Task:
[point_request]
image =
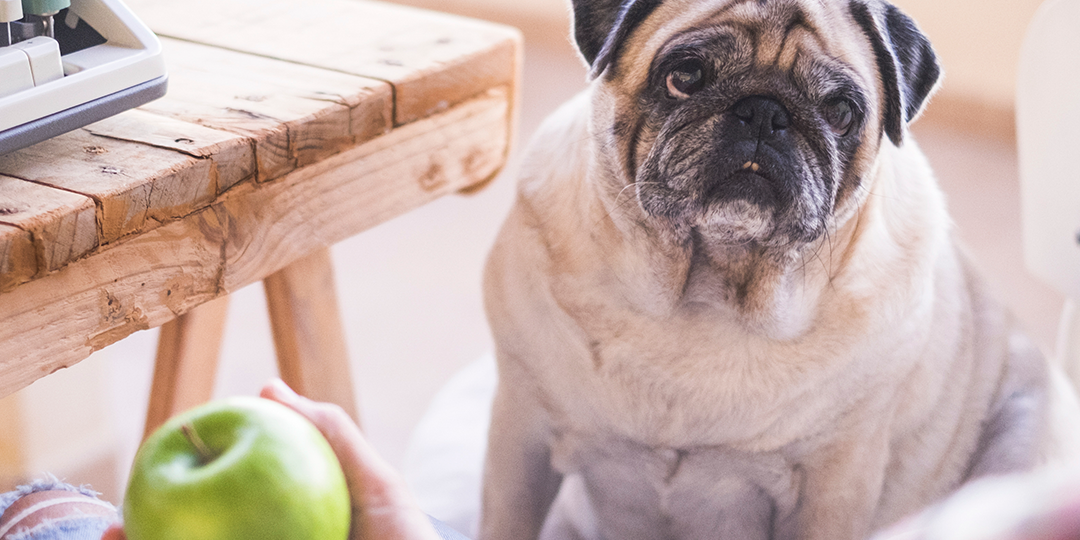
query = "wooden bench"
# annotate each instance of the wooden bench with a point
(288, 126)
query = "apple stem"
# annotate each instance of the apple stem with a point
(205, 456)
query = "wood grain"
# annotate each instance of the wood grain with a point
(18, 261)
(55, 321)
(232, 156)
(135, 186)
(150, 166)
(363, 187)
(433, 60)
(294, 115)
(308, 336)
(251, 231)
(62, 224)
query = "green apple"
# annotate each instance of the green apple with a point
(237, 469)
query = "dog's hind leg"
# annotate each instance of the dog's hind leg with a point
(1016, 432)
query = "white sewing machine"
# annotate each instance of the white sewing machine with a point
(67, 63)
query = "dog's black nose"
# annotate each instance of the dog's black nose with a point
(764, 116)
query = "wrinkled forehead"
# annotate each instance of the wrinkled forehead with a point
(779, 29)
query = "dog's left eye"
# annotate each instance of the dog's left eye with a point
(840, 114)
(686, 78)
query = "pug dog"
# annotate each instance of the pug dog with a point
(727, 302)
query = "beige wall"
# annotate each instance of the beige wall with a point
(978, 42)
(60, 425)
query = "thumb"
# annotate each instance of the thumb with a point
(114, 532)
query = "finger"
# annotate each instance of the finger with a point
(342, 433)
(382, 505)
(114, 532)
(374, 479)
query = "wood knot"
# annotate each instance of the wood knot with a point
(473, 161)
(112, 309)
(433, 178)
(111, 170)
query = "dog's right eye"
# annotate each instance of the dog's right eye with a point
(686, 78)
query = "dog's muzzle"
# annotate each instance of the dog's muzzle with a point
(755, 157)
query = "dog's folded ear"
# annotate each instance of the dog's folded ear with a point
(601, 26)
(907, 64)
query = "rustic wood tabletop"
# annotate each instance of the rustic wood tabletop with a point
(287, 127)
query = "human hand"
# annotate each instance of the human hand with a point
(382, 506)
(114, 532)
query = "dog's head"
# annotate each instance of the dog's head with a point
(751, 121)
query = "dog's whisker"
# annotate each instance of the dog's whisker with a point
(617, 204)
(829, 267)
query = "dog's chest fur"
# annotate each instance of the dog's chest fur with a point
(694, 378)
(663, 493)
(665, 417)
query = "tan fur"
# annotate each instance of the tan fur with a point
(841, 386)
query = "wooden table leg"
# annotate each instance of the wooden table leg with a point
(187, 360)
(12, 458)
(308, 333)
